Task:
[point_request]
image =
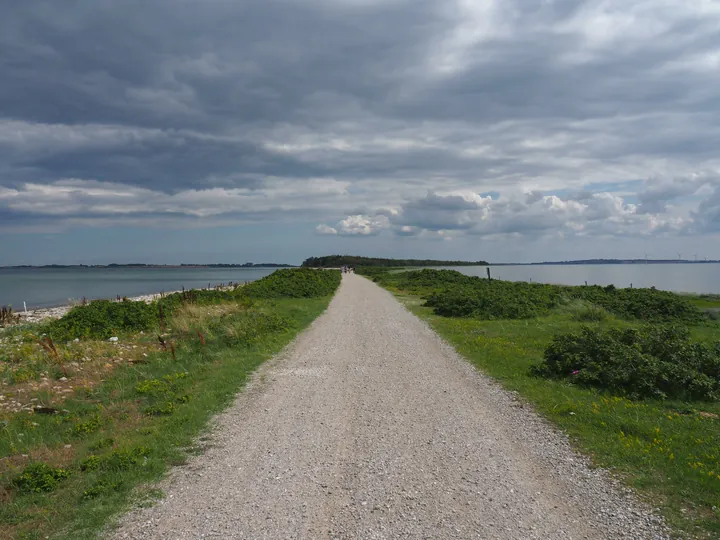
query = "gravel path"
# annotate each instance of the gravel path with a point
(370, 426)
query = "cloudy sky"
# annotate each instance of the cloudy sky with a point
(272, 130)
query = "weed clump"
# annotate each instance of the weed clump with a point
(39, 478)
(101, 488)
(652, 362)
(103, 443)
(117, 460)
(89, 426)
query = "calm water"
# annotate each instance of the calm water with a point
(694, 278)
(48, 287)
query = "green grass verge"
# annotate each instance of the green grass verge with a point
(114, 440)
(668, 451)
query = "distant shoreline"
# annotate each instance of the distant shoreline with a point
(149, 266)
(272, 265)
(607, 262)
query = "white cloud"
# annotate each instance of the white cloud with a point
(325, 229)
(529, 214)
(360, 225)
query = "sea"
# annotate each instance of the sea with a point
(700, 278)
(49, 287)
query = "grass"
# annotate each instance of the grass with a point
(669, 451)
(112, 435)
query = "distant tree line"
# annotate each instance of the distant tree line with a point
(333, 261)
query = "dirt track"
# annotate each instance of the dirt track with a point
(369, 426)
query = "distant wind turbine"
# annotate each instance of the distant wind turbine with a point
(679, 256)
(695, 257)
(646, 260)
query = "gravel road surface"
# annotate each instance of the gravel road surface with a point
(370, 426)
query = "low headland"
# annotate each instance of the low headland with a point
(336, 261)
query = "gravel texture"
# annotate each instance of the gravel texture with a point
(370, 426)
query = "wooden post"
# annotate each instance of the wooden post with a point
(488, 273)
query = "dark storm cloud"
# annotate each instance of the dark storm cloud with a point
(363, 106)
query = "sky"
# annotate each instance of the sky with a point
(168, 131)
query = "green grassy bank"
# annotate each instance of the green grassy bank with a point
(667, 448)
(89, 425)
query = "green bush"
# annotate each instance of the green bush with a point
(294, 283)
(453, 294)
(39, 477)
(656, 361)
(103, 319)
(464, 296)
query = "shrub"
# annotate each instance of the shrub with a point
(39, 478)
(643, 304)
(294, 283)
(454, 294)
(103, 319)
(656, 361)
(483, 299)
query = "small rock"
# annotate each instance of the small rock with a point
(113, 339)
(62, 379)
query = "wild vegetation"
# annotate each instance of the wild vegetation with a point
(454, 294)
(299, 283)
(7, 316)
(650, 362)
(336, 261)
(87, 423)
(102, 319)
(632, 375)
